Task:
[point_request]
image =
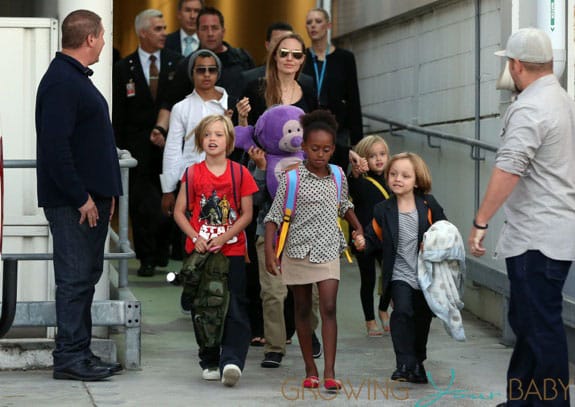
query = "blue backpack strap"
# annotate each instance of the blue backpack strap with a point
(337, 174)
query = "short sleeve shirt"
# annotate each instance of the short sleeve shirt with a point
(215, 203)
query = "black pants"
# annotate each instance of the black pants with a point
(151, 229)
(410, 322)
(368, 274)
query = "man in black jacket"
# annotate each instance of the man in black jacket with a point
(140, 81)
(78, 183)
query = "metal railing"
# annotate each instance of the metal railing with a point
(123, 311)
(477, 272)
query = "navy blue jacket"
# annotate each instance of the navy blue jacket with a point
(76, 153)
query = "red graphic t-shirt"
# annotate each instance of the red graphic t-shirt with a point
(214, 205)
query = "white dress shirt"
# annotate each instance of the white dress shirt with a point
(179, 153)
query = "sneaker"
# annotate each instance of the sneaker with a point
(272, 359)
(186, 303)
(211, 373)
(315, 346)
(231, 375)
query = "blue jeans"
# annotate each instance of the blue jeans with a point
(78, 265)
(237, 334)
(539, 367)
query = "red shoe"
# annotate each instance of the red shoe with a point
(311, 382)
(332, 384)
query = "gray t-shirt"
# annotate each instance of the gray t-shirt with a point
(405, 267)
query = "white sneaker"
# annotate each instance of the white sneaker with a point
(231, 375)
(212, 373)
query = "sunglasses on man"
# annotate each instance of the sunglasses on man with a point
(296, 54)
(204, 69)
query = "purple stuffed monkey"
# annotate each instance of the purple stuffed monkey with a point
(279, 133)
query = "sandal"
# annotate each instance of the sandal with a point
(311, 382)
(257, 341)
(384, 318)
(332, 384)
(372, 330)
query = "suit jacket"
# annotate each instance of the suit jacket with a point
(134, 110)
(174, 42)
(386, 216)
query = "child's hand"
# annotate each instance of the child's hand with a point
(273, 265)
(243, 107)
(215, 244)
(358, 241)
(259, 157)
(201, 245)
(358, 164)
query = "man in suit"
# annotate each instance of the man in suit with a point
(185, 40)
(139, 81)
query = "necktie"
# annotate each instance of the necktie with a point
(190, 42)
(154, 75)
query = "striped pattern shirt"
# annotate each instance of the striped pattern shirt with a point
(405, 267)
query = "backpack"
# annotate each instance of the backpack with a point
(292, 187)
(205, 279)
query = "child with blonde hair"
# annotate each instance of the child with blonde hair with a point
(395, 234)
(217, 193)
(367, 189)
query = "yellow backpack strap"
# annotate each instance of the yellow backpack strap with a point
(292, 186)
(378, 186)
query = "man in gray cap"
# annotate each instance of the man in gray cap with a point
(534, 180)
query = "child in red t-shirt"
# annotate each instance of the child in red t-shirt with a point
(220, 198)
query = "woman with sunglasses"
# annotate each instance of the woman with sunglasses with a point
(335, 77)
(280, 85)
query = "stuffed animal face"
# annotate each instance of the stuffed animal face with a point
(292, 137)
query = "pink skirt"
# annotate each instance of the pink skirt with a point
(302, 271)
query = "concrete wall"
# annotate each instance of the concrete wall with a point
(418, 66)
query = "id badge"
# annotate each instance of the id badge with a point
(130, 89)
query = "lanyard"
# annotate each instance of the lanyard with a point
(319, 77)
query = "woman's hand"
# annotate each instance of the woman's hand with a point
(358, 164)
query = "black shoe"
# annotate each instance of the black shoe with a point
(272, 359)
(146, 270)
(186, 303)
(162, 261)
(502, 405)
(315, 346)
(113, 367)
(83, 370)
(418, 374)
(402, 374)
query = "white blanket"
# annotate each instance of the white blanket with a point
(441, 272)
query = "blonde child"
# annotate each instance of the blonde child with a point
(204, 187)
(311, 252)
(366, 190)
(396, 233)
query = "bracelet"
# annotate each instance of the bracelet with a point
(161, 130)
(194, 240)
(475, 225)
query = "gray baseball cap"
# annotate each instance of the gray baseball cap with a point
(528, 45)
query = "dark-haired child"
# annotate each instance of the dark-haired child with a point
(311, 253)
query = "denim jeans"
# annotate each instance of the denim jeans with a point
(539, 363)
(78, 265)
(237, 334)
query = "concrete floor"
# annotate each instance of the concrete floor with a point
(471, 373)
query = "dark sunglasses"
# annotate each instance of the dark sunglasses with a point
(203, 69)
(283, 53)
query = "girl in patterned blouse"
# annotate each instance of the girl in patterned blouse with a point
(311, 252)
